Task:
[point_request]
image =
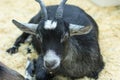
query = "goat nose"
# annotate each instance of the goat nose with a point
(50, 64)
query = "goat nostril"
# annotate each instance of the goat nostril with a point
(50, 64)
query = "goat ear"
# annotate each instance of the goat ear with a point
(79, 29)
(26, 27)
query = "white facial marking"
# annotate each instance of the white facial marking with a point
(51, 56)
(49, 24)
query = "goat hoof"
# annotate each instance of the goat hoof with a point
(12, 50)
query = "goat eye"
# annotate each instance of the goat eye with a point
(64, 37)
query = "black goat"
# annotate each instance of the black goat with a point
(8, 74)
(66, 37)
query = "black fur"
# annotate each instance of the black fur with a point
(83, 49)
(7, 73)
(40, 71)
(80, 54)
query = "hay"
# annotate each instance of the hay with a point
(108, 20)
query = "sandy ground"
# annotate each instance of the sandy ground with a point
(108, 20)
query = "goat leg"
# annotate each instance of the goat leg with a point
(19, 40)
(23, 36)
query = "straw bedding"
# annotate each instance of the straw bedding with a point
(108, 20)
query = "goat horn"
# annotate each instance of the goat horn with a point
(59, 12)
(43, 8)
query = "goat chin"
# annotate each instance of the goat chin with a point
(8, 74)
